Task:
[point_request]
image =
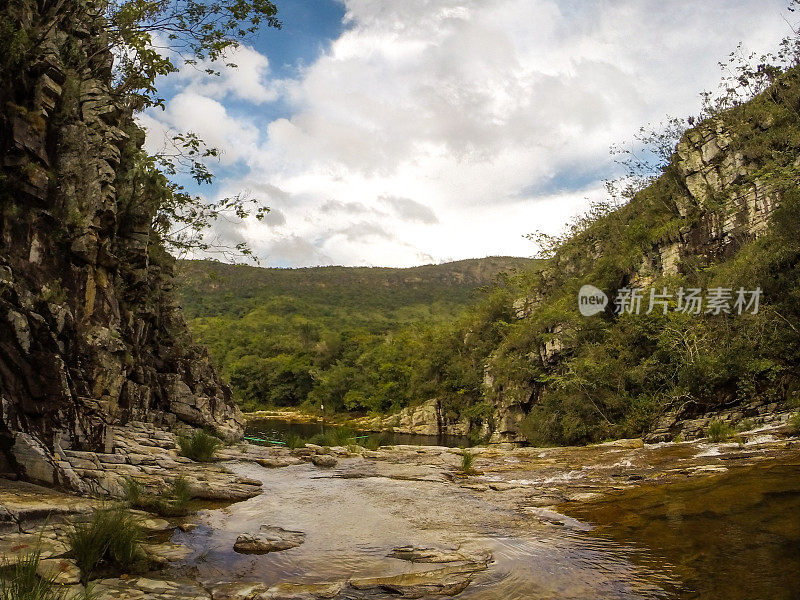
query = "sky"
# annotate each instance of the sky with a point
(407, 132)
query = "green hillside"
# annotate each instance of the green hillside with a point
(287, 336)
(723, 214)
(519, 360)
(210, 288)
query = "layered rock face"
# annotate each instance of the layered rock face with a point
(90, 333)
(724, 207)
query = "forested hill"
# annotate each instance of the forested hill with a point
(353, 338)
(210, 288)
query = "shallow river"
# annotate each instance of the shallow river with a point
(730, 537)
(264, 431)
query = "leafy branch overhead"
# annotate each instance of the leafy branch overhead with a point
(146, 34)
(147, 37)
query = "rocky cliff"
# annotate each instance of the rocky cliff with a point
(718, 195)
(90, 333)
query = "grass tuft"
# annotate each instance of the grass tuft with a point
(294, 441)
(20, 581)
(341, 436)
(200, 446)
(794, 423)
(172, 502)
(372, 442)
(719, 431)
(111, 538)
(468, 463)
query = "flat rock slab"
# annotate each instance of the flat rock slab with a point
(61, 571)
(49, 542)
(448, 581)
(167, 552)
(24, 504)
(277, 463)
(268, 539)
(436, 555)
(546, 515)
(143, 588)
(281, 591)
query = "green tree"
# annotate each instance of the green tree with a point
(152, 39)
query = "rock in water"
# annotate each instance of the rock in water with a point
(435, 555)
(268, 539)
(448, 581)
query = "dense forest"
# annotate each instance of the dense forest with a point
(351, 338)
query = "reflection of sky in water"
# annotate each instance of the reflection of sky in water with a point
(352, 524)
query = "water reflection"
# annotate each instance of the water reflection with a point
(735, 536)
(278, 430)
(352, 524)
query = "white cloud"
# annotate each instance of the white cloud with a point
(422, 130)
(249, 81)
(187, 111)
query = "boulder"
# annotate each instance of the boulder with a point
(324, 460)
(268, 539)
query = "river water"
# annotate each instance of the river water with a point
(277, 429)
(730, 537)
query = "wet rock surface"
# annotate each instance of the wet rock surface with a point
(396, 522)
(268, 539)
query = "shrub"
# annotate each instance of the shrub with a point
(372, 442)
(718, 431)
(334, 437)
(112, 537)
(199, 446)
(172, 502)
(794, 423)
(294, 441)
(321, 439)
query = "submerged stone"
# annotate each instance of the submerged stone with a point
(268, 539)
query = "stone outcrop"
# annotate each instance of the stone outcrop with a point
(722, 204)
(91, 335)
(268, 539)
(139, 451)
(427, 418)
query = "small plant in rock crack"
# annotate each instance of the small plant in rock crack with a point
(200, 446)
(170, 502)
(468, 463)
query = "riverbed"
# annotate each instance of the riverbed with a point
(619, 520)
(725, 532)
